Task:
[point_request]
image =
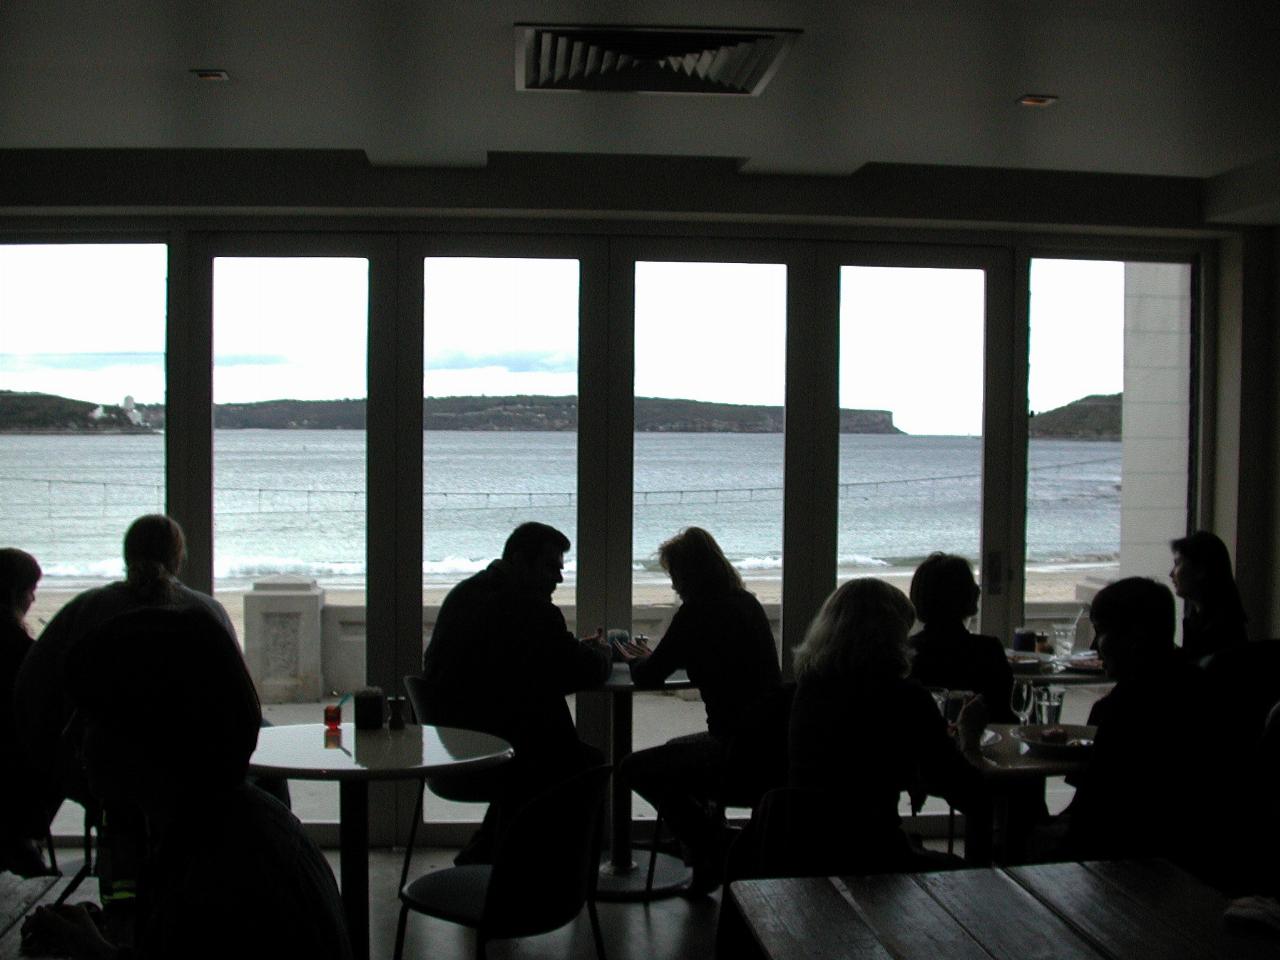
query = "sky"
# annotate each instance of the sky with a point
(87, 321)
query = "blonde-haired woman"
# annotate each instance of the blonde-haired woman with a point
(861, 732)
(721, 636)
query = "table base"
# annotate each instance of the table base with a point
(619, 884)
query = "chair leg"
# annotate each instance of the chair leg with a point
(53, 857)
(413, 835)
(951, 829)
(595, 928)
(400, 925)
(480, 946)
(653, 854)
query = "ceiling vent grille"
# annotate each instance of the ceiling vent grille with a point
(701, 60)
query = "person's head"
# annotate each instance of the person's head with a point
(697, 566)
(154, 550)
(943, 589)
(19, 574)
(1202, 571)
(164, 706)
(535, 551)
(860, 631)
(1133, 620)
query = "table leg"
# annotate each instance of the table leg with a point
(353, 845)
(620, 877)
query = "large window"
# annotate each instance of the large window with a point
(500, 340)
(289, 390)
(1109, 390)
(710, 344)
(500, 382)
(82, 407)
(911, 399)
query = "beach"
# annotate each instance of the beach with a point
(1043, 586)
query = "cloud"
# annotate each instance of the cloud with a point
(546, 361)
(24, 362)
(29, 362)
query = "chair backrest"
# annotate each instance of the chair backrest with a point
(416, 688)
(547, 860)
(757, 761)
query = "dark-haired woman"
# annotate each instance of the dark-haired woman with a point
(22, 814)
(1201, 576)
(721, 636)
(945, 596)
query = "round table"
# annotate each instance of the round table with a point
(354, 757)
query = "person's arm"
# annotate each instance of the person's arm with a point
(669, 655)
(563, 661)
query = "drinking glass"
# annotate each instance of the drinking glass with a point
(1064, 639)
(1022, 699)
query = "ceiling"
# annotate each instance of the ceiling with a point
(1186, 88)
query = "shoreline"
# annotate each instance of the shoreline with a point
(1046, 585)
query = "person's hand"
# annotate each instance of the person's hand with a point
(632, 650)
(971, 722)
(70, 930)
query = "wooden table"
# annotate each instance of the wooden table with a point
(19, 898)
(1123, 910)
(620, 877)
(355, 757)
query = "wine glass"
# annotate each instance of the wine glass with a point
(1022, 699)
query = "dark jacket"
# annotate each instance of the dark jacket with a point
(862, 742)
(952, 657)
(501, 660)
(726, 645)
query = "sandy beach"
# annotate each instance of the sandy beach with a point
(1042, 586)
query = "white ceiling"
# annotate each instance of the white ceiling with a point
(1168, 87)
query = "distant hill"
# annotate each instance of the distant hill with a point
(653, 415)
(1095, 417)
(46, 413)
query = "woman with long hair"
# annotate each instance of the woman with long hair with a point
(722, 637)
(1202, 577)
(862, 733)
(22, 816)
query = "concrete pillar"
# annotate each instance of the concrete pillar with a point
(282, 638)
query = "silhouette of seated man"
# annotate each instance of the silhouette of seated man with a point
(1154, 785)
(501, 660)
(166, 719)
(154, 550)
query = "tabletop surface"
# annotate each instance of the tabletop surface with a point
(1043, 669)
(308, 751)
(620, 680)
(1009, 756)
(1135, 910)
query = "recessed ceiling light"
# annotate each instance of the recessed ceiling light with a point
(213, 76)
(1037, 100)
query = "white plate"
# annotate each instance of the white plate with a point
(1077, 745)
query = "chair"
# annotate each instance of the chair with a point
(754, 765)
(544, 870)
(480, 786)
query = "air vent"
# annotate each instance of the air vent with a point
(705, 60)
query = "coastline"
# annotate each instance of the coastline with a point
(1043, 585)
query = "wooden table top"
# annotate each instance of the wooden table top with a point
(1124, 910)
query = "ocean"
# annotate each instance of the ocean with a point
(293, 501)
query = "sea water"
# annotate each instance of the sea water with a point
(291, 501)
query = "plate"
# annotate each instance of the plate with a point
(1083, 665)
(1076, 745)
(1020, 663)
